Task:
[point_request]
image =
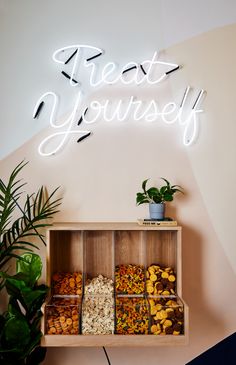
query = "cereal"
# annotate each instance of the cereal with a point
(129, 279)
(98, 315)
(167, 316)
(98, 306)
(160, 280)
(99, 286)
(60, 319)
(131, 316)
(67, 283)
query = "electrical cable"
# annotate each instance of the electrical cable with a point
(107, 357)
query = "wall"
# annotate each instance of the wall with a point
(100, 177)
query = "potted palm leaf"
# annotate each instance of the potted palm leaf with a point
(22, 218)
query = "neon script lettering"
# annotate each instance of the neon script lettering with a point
(149, 72)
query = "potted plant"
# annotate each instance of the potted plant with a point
(20, 324)
(156, 197)
(22, 218)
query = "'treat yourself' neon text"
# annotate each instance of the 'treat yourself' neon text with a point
(145, 74)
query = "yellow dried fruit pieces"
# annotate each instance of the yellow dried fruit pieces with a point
(161, 279)
(150, 289)
(167, 316)
(151, 302)
(167, 323)
(62, 316)
(132, 316)
(176, 332)
(171, 278)
(153, 277)
(65, 283)
(154, 328)
(164, 275)
(161, 314)
(166, 292)
(130, 279)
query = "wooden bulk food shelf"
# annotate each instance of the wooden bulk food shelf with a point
(96, 248)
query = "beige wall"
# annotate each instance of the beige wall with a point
(100, 177)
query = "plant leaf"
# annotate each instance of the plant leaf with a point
(144, 185)
(31, 266)
(16, 333)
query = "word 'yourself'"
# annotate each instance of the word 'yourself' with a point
(149, 72)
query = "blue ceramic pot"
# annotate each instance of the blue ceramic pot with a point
(157, 211)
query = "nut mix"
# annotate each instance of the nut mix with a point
(98, 307)
(160, 280)
(63, 316)
(130, 279)
(67, 283)
(167, 316)
(131, 316)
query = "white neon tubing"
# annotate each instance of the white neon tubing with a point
(179, 116)
(54, 107)
(111, 66)
(165, 112)
(65, 133)
(136, 70)
(68, 122)
(105, 73)
(77, 47)
(140, 111)
(187, 141)
(199, 99)
(93, 105)
(151, 117)
(117, 114)
(154, 62)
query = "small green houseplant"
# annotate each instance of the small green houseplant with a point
(156, 197)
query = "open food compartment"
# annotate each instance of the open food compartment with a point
(106, 262)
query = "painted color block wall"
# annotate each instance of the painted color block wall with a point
(99, 178)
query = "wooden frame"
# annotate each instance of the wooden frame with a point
(96, 248)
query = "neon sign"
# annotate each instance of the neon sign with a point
(149, 72)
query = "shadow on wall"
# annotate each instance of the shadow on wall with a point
(204, 324)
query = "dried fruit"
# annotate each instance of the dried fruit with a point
(129, 279)
(59, 316)
(160, 280)
(165, 316)
(65, 283)
(131, 316)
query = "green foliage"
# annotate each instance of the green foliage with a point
(157, 195)
(20, 325)
(15, 234)
(31, 265)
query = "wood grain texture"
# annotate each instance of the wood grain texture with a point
(98, 254)
(113, 340)
(129, 248)
(96, 226)
(95, 248)
(65, 252)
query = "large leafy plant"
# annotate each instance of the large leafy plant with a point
(165, 193)
(17, 233)
(20, 324)
(22, 218)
